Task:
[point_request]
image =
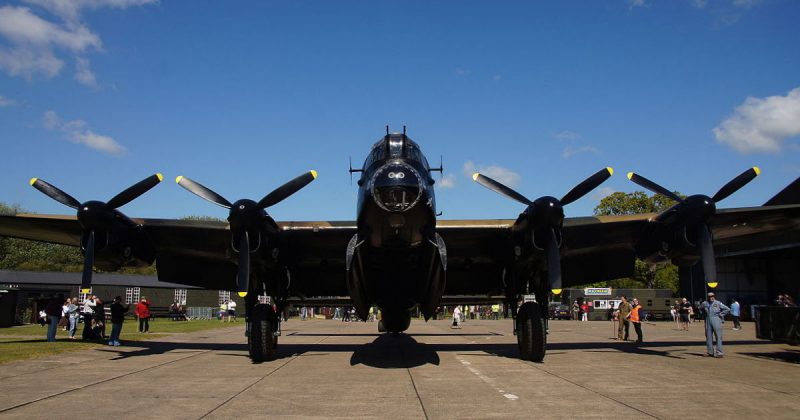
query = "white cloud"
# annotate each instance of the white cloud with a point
(6, 101)
(699, 4)
(498, 173)
(570, 151)
(636, 3)
(77, 131)
(447, 181)
(32, 44)
(567, 135)
(84, 74)
(602, 192)
(746, 3)
(761, 125)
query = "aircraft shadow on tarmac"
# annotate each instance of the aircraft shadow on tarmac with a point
(403, 351)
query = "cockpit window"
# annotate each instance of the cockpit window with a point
(396, 146)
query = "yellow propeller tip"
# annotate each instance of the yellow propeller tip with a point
(242, 294)
(178, 179)
(757, 170)
(314, 174)
(630, 175)
(33, 181)
(556, 291)
(610, 170)
(475, 176)
(86, 291)
(160, 177)
(713, 284)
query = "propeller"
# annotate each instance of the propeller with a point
(94, 216)
(695, 211)
(246, 216)
(546, 215)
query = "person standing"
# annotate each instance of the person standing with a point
(118, 312)
(684, 310)
(585, 311)
(623, 315)
(231, 311)
(88, 317)
(456, 317)
(71, 309)
(53, 312)
(735, 313)
(142, 312)
(635, 317)
(715, 315)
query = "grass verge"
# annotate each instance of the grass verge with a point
(28, 341)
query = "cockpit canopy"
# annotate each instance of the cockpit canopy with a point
(395, 146)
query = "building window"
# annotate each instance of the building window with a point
(82, 296)
(132, 294)
(180, 296)
(224, 296)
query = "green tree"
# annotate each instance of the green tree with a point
(636, 202)
(662, 276)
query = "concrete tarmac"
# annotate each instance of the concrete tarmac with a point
(332, 369)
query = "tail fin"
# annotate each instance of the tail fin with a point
(789, 195)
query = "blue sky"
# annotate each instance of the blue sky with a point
(242, 96)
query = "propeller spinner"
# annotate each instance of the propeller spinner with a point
(695, 211)
(547, 215)
(246, 216)
(94, 216)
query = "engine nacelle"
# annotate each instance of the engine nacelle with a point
(121, 247)
(663, 242)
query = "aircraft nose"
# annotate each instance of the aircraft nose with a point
(396, 187)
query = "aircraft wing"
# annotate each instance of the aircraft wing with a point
(594, 249)
(601, 248)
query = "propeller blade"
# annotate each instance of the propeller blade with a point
(652, 186)
(553, 263)
(55, 193)
(500, 188)
(281, 193)
(736, 183)
(707, 254)
(202, 192)
(88, 263)
(243, 276)
(587, 185)
(134, 191)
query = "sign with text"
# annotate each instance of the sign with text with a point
(597, 291)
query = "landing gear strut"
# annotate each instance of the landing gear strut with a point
(531, 332)
(262, 326)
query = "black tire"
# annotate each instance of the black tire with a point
(531, 335)
(261, 342)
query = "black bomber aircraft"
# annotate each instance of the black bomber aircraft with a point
(397, 255)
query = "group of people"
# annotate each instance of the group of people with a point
(227, 311)
(682, 313)
(580, 311)
(715, 312)
(68, 312)
(627, 313)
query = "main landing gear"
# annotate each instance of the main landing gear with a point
(263, 327)
(531, 332)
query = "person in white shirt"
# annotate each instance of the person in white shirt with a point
(231, 311)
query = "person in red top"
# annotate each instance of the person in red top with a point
(142, 312)
(585, 311)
